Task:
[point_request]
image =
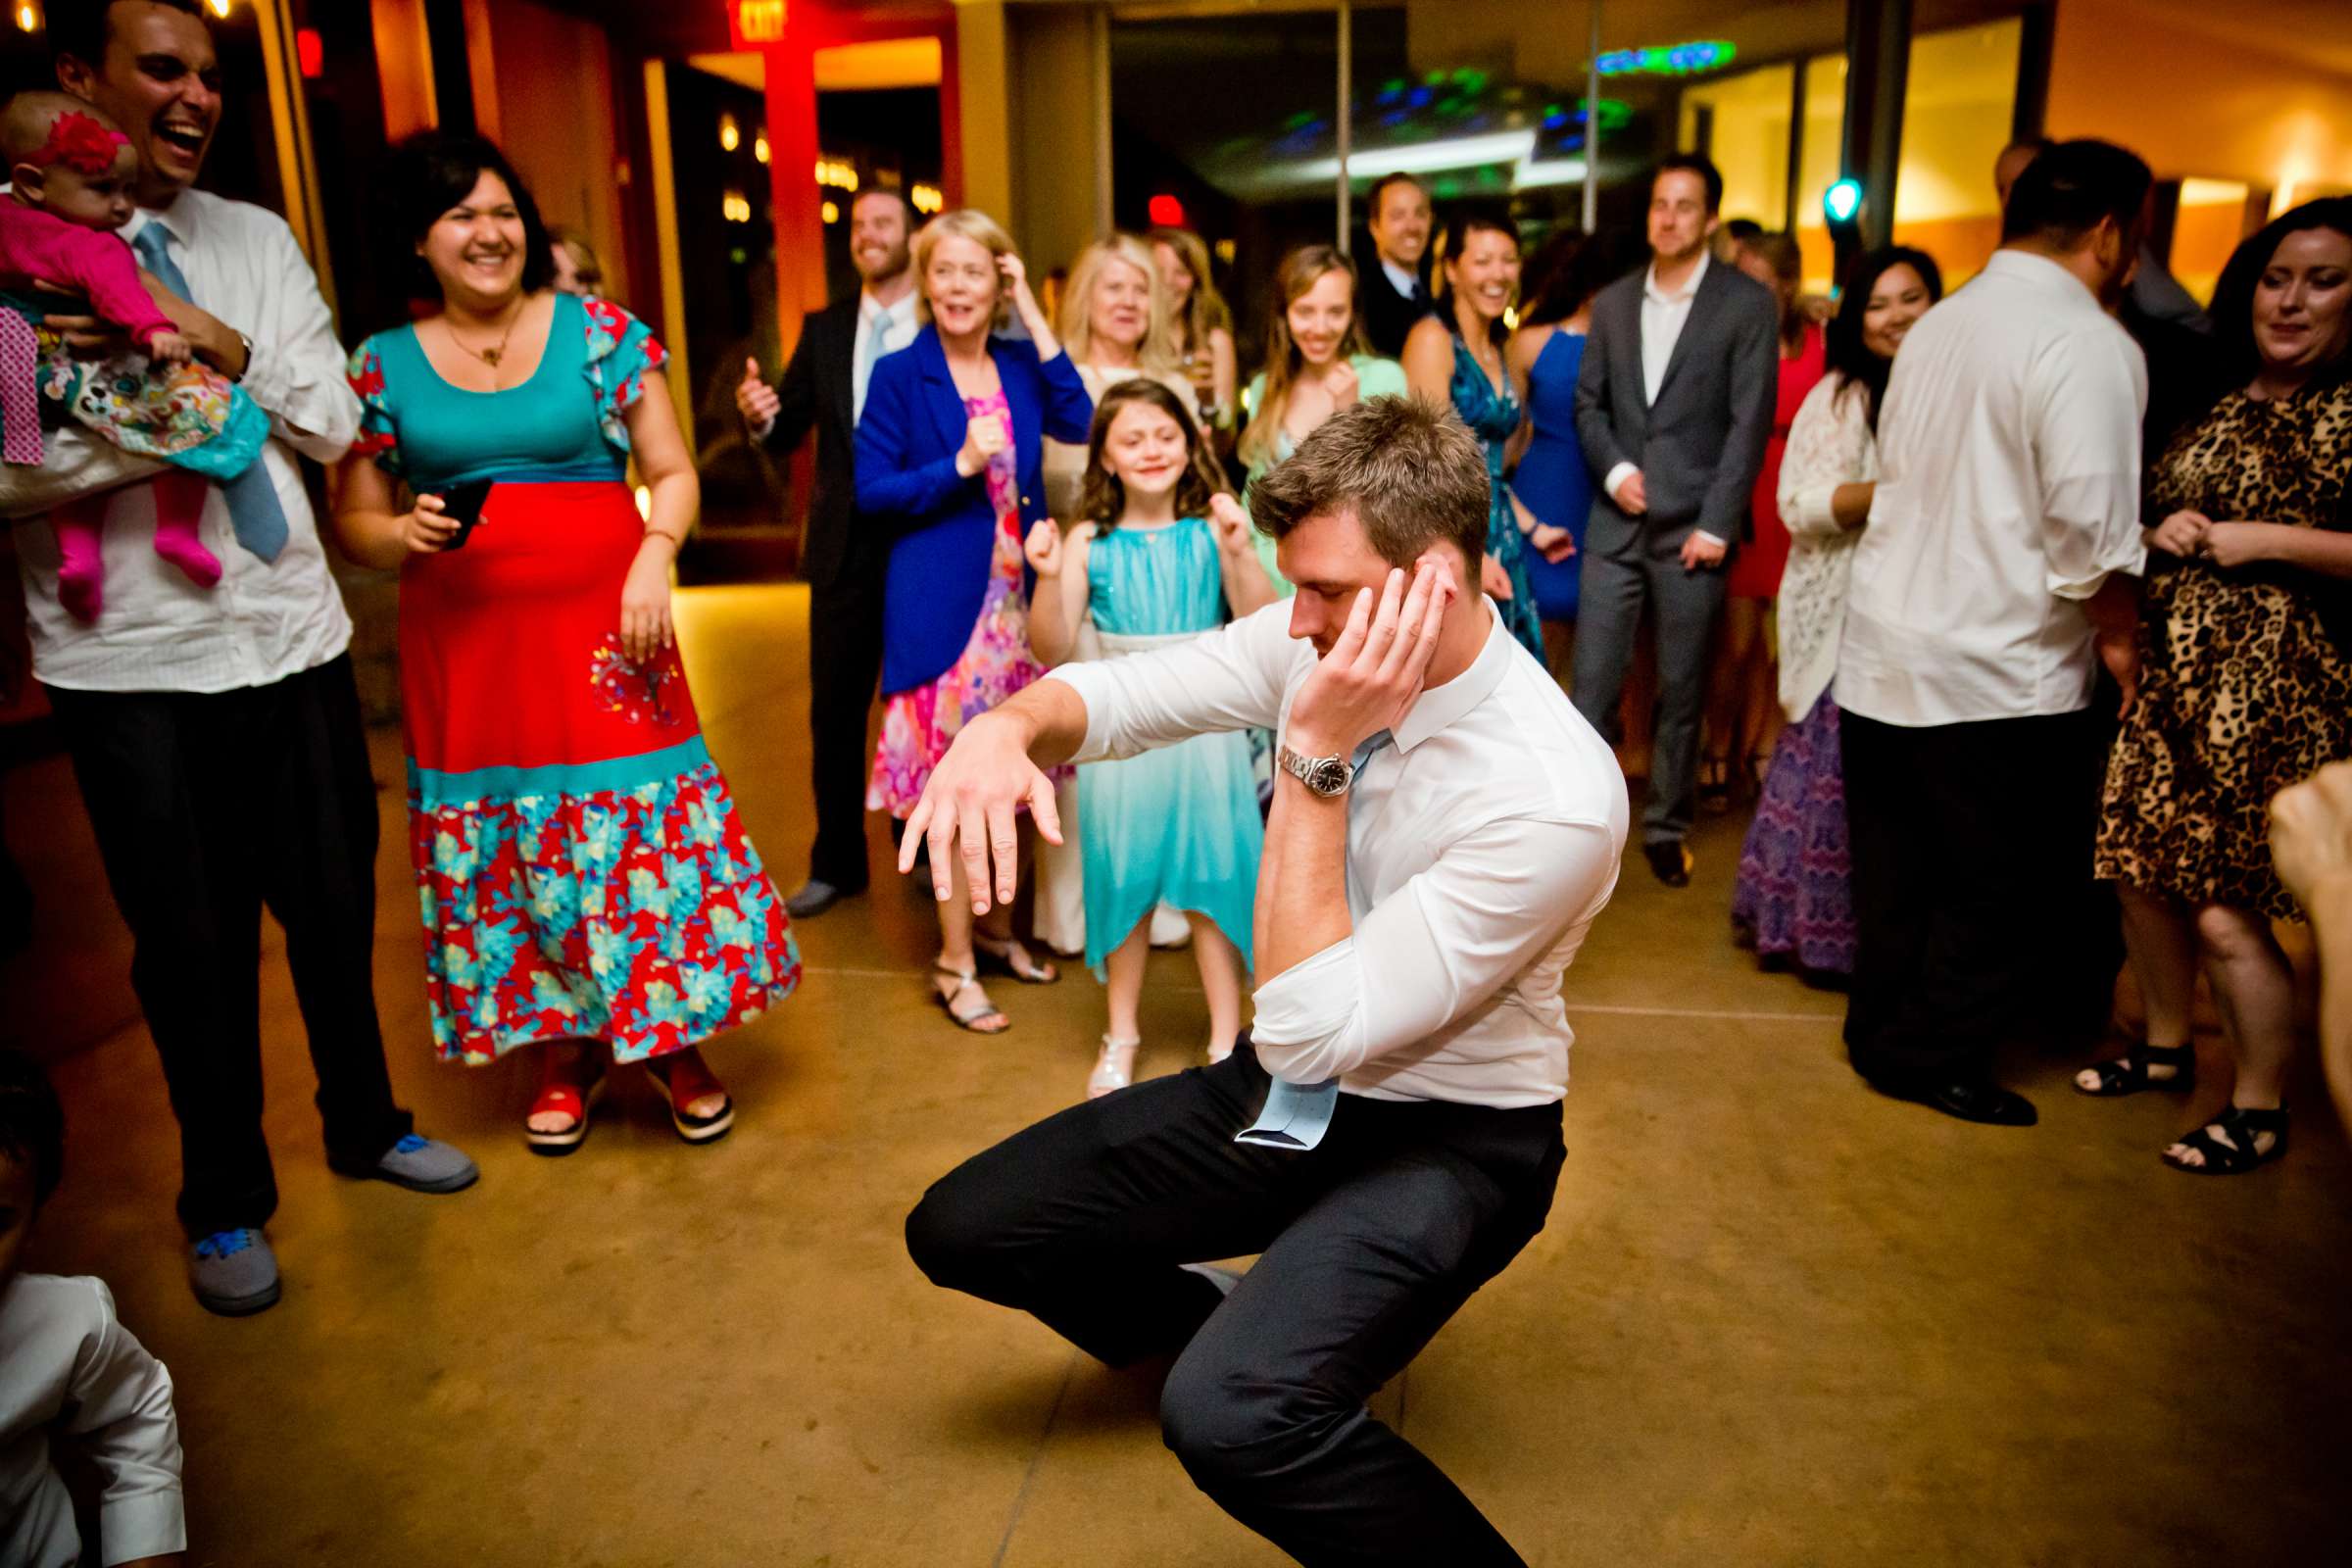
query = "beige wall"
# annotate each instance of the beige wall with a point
(1061, 202)
(2193, 104)
(553, 82)
(984, 100)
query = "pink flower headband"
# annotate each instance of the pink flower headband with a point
(81, 143)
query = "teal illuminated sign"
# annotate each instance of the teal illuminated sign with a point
(1667, 60)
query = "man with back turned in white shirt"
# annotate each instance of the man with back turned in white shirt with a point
(1445, 830)
(1999, 569)
(216, 732)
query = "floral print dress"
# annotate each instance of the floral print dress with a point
(919, 724)
(581, 871)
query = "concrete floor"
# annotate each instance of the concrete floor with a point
(1775, 1319)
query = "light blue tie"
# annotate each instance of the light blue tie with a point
(876, 345)
(1297, 1116)
(254, 512)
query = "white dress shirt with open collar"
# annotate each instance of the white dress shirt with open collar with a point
(264, 620)
(1481, 845)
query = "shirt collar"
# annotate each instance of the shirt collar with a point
(2040, 271)
(177, 221)
(1440, 706)
(1403, 277)
(1649, 282)
(868, 307)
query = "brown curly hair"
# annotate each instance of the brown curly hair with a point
(1103, 498)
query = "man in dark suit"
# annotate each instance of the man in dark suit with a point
(1393, 293)
(1674, 405)
(824, 389)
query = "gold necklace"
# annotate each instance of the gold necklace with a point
(489, 356)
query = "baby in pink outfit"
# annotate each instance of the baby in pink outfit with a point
(72, 173)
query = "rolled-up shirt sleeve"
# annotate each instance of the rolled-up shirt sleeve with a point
(297, 369)
(1228, 679)
(1436, 949)
(2087, 398)
(122, 1418)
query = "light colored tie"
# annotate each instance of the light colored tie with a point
(1297, 1116)
(876, 345)
(254, 512)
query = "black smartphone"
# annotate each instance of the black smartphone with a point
(463, 503)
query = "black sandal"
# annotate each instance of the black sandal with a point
(2127, 1074)
(974, 1019)
(1011, 957)
(2240, 1152)
(1715, 783)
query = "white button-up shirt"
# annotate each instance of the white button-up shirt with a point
(1663, 317)
(897, 332)
(74, 1373)
(1481, 845)
(2008, 491)
(1403, 279)
(264, 620)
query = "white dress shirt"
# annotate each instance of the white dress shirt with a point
(1400, 277)
(1829, 445)
(1481, 845)
(899, 327)
(73, 1371)
(2008, 491)
(1664, 317)
(264, 620)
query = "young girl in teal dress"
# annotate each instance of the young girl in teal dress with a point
(1163, 555)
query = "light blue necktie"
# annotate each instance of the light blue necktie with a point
(254, 512)
(876, 345)
(1297, 1116)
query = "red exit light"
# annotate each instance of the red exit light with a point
(1166, 211)
(310, 52)
(756, 24)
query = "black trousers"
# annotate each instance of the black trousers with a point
(1979, 924)
(1371, 1242)
(845, 666)
(208, 807)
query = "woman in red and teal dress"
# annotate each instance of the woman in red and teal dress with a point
(585, 882)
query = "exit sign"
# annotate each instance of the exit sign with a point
(757, 23)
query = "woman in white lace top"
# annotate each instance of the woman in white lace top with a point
(1791, 900)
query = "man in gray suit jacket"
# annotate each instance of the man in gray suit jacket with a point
(1673, 407)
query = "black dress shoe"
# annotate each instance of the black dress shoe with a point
(1669, 862)
(1976, 1100)
(815, 898)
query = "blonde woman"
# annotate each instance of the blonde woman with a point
(1203, 322)
(949, 460)
(1115, 324)
(1317, 364)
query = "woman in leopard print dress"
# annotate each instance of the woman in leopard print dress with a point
(2245, 682)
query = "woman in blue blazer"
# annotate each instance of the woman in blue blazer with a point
(949, 459)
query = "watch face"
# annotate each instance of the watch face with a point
(1328, 775)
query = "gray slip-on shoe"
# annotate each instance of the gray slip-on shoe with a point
(233, 1272)
(425, 1165)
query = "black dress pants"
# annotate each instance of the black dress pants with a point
(845, 666)
(1980, 922)
(208, 807)
(1371, 1242)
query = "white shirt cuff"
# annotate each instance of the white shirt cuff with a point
(1720, 544)
(1617, 476)
(1092, 684)
(152, 1523)
(1306, 1025)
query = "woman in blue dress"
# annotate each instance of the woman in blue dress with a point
(1163, 556)
(1552, 481)
(1455, 357)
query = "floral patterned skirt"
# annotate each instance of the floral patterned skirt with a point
(1794, 893)
(580, 868)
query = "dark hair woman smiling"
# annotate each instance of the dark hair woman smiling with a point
(584, 878)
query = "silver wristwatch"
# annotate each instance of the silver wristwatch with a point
(1326, 777)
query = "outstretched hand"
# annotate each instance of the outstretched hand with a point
(1375, 670)
(970, 810)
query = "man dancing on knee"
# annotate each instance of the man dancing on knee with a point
(1445, 830)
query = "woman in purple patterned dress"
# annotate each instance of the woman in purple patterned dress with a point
(1793, 900)
(949, 460)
